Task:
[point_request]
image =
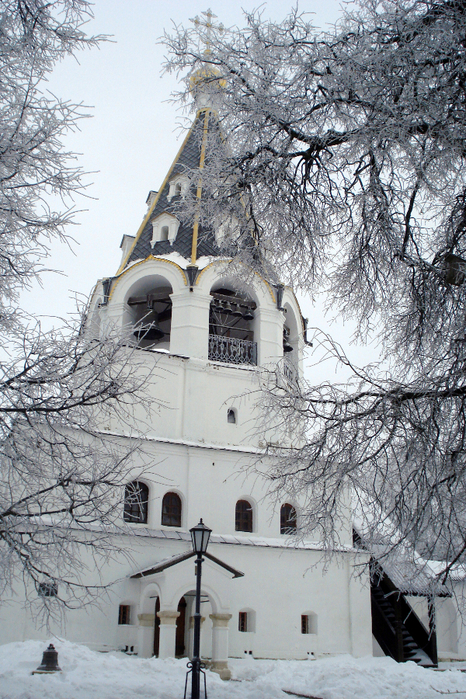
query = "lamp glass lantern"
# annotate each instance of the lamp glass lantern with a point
(200, 535)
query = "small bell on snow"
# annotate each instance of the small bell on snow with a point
(49, 662)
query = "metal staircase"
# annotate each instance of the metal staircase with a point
(397, 628)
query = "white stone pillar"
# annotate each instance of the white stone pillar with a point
(146, 635)
(220, 645)
(167, 633)
(190, 323)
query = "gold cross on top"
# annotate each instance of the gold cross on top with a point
(206, 27)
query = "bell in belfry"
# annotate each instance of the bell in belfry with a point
(49, 662)
(149, 331)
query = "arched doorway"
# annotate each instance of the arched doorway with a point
(157, 628)
(181, 629)
(180, 639)
(171, 632)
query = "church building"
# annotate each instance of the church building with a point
(207, 333)
(206, 330)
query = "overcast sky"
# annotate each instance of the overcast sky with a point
(134, 133)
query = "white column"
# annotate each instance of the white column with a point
(167, 633)
(146, 635)
(220, 645)
(190, 323)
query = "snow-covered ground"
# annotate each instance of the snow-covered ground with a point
(89, 675)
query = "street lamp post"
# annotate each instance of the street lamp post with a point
(200, 535)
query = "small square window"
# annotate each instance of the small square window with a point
(48, 589)
(124, 614)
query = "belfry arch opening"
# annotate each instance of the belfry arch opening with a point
(231, 326)
(150, 313)
(290, 343)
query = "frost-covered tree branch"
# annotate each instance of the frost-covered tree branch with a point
(347, 147)
(62, 471)
(38, 176)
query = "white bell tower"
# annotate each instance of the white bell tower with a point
(208, 336)
(176, 296)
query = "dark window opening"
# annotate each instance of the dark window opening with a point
(309, 623)
(231, 335)
(171, 510)
(124, 614)
(180, 648)
(157, 628)
(47, 589)
(243, 622)
(231, 416)
(357, 541)
(136, 502)
(243, 516)
(151, 315)
(287, 347)
(287, 519)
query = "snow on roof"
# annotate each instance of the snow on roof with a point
(175, 257)
(457, 571)
(397, 558)
(262, 541)
(162, 565)
(409, 573)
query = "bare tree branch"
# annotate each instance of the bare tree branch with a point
(348, 149)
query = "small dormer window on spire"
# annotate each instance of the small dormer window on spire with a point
(227, 230)
(164, 227)
(151, 198)
(178, 186)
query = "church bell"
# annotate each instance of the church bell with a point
(49, 662)
(150, 331)
(286, 345)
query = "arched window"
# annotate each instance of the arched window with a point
(178, 186)
(231, 416)
(231, 327)
(136, 500)
(287, 519)
(164, 227)
(149, 310)
(243, 516)
(171, 510)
